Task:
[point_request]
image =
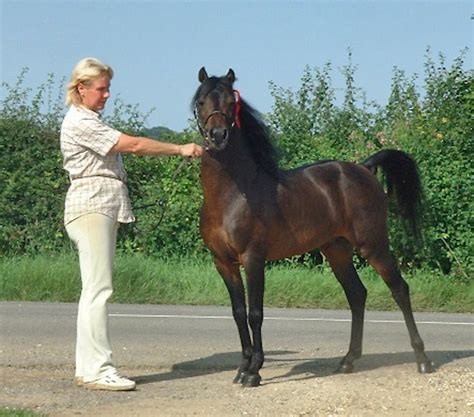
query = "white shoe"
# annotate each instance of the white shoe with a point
(111, 382)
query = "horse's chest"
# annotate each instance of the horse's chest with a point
(229, 225)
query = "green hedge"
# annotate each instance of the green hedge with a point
(434, 127)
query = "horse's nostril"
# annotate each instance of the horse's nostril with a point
(218, 134)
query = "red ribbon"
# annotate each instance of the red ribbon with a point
(237, 108)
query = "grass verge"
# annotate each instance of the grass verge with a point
(143, 280)
(19, 412)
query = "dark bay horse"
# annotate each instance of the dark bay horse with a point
(254, 211)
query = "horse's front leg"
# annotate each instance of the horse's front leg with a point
(233, 280)
(255, 270)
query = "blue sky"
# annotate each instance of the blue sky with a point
(157, 47)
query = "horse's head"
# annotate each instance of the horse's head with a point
(216, 108)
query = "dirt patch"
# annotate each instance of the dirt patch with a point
(288, 389)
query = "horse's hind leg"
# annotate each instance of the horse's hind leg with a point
(385, 265)
(339, 256)
(231, 274)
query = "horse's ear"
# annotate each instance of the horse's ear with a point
(231, 76)
(203, 75)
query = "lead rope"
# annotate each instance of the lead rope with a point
(161, 202)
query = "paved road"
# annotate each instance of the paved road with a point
(184, 358)
(187, 337)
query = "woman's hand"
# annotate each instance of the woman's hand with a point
(190, 150)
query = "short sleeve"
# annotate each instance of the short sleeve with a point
(94, 134)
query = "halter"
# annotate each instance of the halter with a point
(235, 121)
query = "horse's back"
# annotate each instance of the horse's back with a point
(324, 201)
(344, 185)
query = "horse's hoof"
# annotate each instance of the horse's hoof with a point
(344, 368)
(251, 380)
(426, 367)
(240, 377)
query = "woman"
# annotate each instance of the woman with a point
(96, 202)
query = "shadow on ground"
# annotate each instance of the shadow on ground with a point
(302, 368)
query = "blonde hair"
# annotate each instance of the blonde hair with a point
(86, 71)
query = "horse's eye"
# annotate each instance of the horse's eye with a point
(201, 103)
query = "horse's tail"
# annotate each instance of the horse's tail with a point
(402, 177)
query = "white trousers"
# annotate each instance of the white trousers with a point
(95, 236)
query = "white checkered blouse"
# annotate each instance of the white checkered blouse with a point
(98, 178)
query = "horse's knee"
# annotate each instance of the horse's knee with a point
(240, 314)
(255, 318)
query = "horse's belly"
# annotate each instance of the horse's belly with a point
(290, 244)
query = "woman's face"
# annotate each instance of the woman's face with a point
(95, 95)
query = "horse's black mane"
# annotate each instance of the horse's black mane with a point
(257, 137)
(254, 132)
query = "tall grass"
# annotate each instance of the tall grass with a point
(145, 280)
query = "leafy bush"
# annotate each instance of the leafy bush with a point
(33, 183)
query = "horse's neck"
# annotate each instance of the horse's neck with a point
(231, 167)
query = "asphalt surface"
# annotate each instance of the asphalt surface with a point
(192, 337)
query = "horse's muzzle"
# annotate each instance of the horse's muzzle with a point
(217, 138)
